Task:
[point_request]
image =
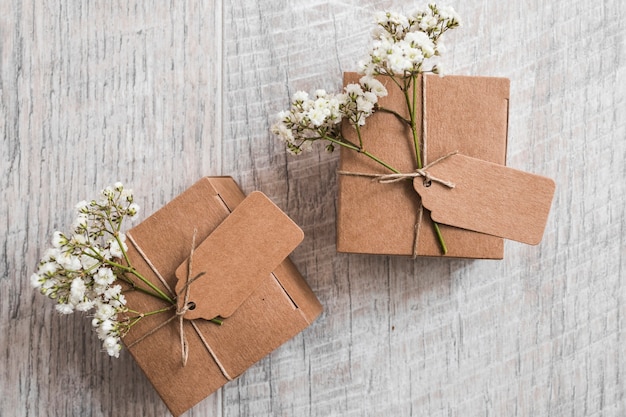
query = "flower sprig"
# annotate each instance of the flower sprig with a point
(84, 269)
(319, 117)
(402, 43)
(401, 46)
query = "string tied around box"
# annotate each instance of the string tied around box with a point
(397, 177)
(180, 311)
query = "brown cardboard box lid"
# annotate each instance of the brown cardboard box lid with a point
(462, 113)
(278, 308)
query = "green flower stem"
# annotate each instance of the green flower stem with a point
(150, 313)
(411, 104)
(358, 132)
(354, 147)
(160, 294)
(133, 271)
(116, 235)
(395, 113)
(141, 289)
(442, 242)
(412, 107)
(102, 260)
(393, 78)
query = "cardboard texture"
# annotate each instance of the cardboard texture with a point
(242, 251)
(465, 114)
(496, 200)
(264, 309)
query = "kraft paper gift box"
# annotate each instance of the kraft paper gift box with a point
(241, 273)
(454, 113)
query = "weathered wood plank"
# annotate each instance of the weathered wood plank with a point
(92, 93)
(157, 94)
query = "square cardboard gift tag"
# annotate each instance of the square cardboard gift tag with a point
(239, 272)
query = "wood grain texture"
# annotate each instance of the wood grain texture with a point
(157, 94)
(93, 93)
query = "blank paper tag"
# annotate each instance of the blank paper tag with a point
(236, 257)
(488, 198)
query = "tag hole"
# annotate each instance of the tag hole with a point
(191, 305)
(427, 183)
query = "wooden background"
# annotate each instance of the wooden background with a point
(159, 93)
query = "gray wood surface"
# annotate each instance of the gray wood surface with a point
(157, 94)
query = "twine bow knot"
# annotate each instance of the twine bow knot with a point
(397, 177)
(180, 311)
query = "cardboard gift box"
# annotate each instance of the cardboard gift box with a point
(241, 273)
(454, 113)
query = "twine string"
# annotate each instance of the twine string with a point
(180, 313)
(181, 310)
(150, 264)
(397, 177)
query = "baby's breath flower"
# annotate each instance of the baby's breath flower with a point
(104, 276)
(48, 268)
(78, 239)
(78, 271)
(115, 249)
(80, 223)
(104, 311)
(353, 90)
(77, 290)
(108, 329)
(85, 305)
(300, 97)
(50, 255)
(112, 345)
(65, 308)
(439, 69)
(132, 210)
(112, 293)
(108, 192)
(36, 280)
(447, 13)
(82, 207)
(373, 85)
(59, 240)
(69, 262)
(127, 194)
(88, 262)
(402, 43)
(319, 118)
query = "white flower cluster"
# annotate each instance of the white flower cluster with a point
(319, 117)
(79, 270)
(402, 43)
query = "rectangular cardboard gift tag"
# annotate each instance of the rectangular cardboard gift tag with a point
(242, 251)
(455, 113)
(487, 198)
(239, 271)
